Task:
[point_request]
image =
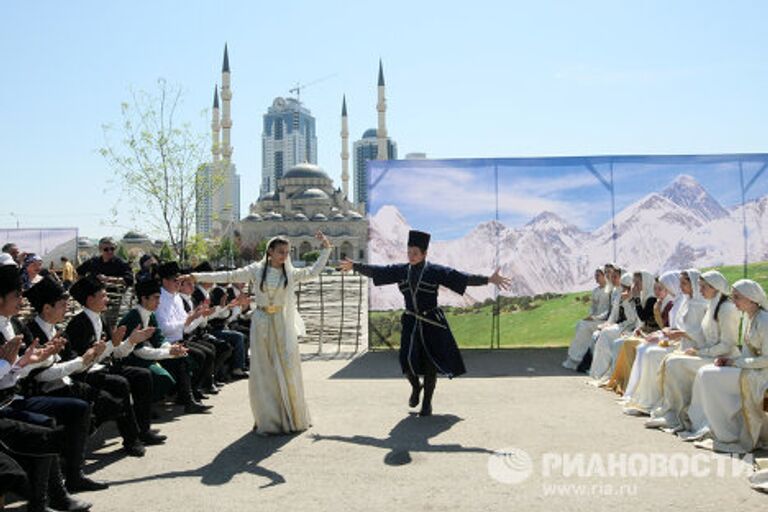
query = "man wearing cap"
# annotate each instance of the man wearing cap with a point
(427, 346)
(167, 361)
(89, 327)
(107, 264)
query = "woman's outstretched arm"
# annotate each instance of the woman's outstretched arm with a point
(304, 274)
(240, 275)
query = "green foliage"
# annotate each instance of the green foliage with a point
(155, 160)
(226, 251)
(198, 248)
(310, 257)
(166, 253)
(121, 252)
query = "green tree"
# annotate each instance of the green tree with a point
(121, 252)
(198, 248)
(155, 160)
(310, 257)
(227, 250)
(166, 253)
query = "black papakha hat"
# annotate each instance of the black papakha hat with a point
(147, 287)
(45, 291)
(204, 267)
(85, 287)
(169, 270)
(418, 239)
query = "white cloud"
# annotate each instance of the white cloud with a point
(457, 193)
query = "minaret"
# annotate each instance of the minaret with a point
(381, 107)
(344, 148)
(216, 128)
(226, 120)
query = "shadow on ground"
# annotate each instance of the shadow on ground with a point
(480, 363)
(411, 434)
(243, 456)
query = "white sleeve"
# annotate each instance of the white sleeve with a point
(240, 275)
(304, 274)
(154, 354)
(728, 321)
(122, 350)
(60, 370)
(194, 324)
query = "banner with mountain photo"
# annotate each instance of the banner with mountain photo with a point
(548, 223)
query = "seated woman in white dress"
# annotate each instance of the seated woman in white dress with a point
(678, 371)
(604, 310)
(727, 403)
(627, 373)
(685, 333)
(606, 349)
(276, 385)
(654, 316)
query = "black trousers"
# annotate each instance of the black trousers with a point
(118, 387)
(71, 414)
(205, 357)
(178, 367)
(140, 380)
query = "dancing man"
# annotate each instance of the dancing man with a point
(427, 345)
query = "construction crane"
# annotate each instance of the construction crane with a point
(297, 90)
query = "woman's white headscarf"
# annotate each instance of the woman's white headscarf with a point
(753, 291)
(626, 280)
(679, 321)
(647, 291)
(671, 281)
(293, 321)
(717, 281)
(709, 325)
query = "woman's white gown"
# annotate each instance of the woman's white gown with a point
(276, 386)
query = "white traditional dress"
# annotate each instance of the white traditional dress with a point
(276, 385)
(610, 339)
(671, 281)
(678, 371)
(647, 394)
(727, 403)
(604, 308)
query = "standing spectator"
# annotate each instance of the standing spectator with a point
(68, 274)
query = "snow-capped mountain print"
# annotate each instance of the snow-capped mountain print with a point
(682, 226)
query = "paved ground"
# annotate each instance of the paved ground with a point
(366, 452)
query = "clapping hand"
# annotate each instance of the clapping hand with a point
(36, 354)
(140, 335)
(118, 335)
(10, 351)
(178, 350)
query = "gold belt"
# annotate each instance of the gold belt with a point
(271, 309)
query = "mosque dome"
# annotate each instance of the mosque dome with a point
(306, 170)
(312, 193)
(370, 133)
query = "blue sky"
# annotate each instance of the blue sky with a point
(451, 197)
(480, 79)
